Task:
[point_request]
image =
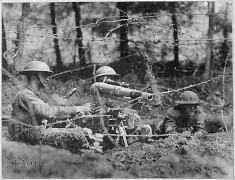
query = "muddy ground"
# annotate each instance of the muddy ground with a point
(181, 156)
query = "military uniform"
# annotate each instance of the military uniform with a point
(30, 106)
(133, 120)
(187, 115)
(178, 121)
(29, 109)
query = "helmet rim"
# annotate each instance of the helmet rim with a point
(188, 102)
(188, 97)
(117, 75)
(105, 71)
(34, 70)
(36, 66)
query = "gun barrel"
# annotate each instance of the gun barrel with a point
(147, 96)
(120, 91)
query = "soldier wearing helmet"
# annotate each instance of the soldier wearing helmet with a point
(187, 115)
(107, 74)
(104, 73)
(29, 108)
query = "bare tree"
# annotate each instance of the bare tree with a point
(4, 46)
(175, 33)
(225, 46)
(123, 47)
(209, 48)
(81, 51)
(4, 49)
(20, 37)
(59, 66)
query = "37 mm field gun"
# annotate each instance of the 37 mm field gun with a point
(113, 121)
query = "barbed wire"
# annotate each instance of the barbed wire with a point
(105, 39)
(94, 24)
(131, 21)
(148, 15)
(223, 94)
(156, 135)
(43, 128)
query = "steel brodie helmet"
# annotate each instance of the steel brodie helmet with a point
(188, 97)
(36, 66)
(106, 71)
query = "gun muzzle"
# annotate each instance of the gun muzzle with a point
(144, 95)
(147, 96)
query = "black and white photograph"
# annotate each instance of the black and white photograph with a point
(117, 89)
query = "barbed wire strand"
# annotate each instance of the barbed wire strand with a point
(171, 42)
(190, 86)
(70, 71)
(180, 13)
(101, 39)
(54, 36)
(223, 95)
(78, 127)
(106, 21)
(90, 25)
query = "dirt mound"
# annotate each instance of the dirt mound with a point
(23, 161)
(181, 156)
(177, 157)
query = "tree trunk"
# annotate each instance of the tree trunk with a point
(225, 47)
(209, 48)
(4, 49)
(81, 51)
(175, 34)
(21, 31)
(123, 47)
(4, 46)
(59, 66)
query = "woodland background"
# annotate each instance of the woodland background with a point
(175, 46)
(181, 43)
(179, 37)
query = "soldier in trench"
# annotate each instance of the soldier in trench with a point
(187, 115)
(107, 74)
(30, 108)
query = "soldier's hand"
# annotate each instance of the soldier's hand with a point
(199, 134)
(88, 107)
(100, 110)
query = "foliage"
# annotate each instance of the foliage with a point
(153, 23)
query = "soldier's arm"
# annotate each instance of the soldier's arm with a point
(200, 122)
(170, 125)
(31, 103)
(59, 101)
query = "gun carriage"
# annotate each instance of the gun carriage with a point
(115, 121)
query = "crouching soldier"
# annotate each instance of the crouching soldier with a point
(29, 108)
(187, 115)
(107, 74)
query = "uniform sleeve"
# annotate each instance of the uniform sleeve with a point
(35, 106)
(200, 122)
(170, 122)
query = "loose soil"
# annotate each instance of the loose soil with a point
(181, 156)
